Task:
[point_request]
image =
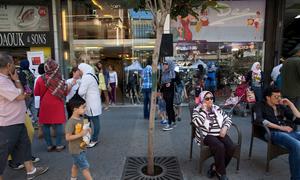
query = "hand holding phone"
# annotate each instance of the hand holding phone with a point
(14, 75)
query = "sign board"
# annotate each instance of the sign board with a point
(24, 39)
(35, 59)
(15, 18)
(240, 21)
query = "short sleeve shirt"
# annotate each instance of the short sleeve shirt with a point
(12, 111)
(74, 126)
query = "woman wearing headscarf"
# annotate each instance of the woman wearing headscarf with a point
(52, 90)
(214, 123)
(167, 88)
(89, 90)
(255, 78)
(27, 80)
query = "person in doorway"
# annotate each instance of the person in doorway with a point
(214, 124)
(103, 77)
(146, 88)
(278, 115)
(113, 84)
(255, 78)
(74, 81)
(14, 138)
(89, 91)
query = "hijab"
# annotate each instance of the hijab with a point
(53, 79)
(169, 73)
(24, 64)
(86, 69)
(254, 69)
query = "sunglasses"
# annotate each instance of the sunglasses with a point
(277, 97)
(209, 98)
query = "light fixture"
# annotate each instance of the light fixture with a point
(64, 25)
(96, 3)
(297, 17)
(234, 49)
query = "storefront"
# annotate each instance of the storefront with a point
(26, 28)
(231, 40)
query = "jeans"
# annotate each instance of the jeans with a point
(30, 105)
(80, 160)
(291, 141)
(58, 134)
(258, 93)
(112, 93)
(147, 102)
(95, 121)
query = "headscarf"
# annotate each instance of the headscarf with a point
(85, 68)
(254, 69)
(53, 79)
(24, 64)
(168, 74)
(219, 116)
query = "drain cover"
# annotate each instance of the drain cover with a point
(169, 166)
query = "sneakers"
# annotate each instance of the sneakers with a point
(35, 159)
(16, 166)
(174, 124)
(39, 171)
(164, 121)
(92, 144)
(168, 127)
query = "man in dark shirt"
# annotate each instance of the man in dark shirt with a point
(278, 115)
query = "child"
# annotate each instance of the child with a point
(161, 108)
(74, 134)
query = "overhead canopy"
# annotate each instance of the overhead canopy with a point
(135, 66)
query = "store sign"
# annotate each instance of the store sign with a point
(24, 39)
(23, 18)
(240, 21)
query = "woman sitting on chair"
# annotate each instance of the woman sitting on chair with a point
(214, 123)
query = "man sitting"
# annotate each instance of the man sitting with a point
(278, 115)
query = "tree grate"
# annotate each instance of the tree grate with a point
(169, 166)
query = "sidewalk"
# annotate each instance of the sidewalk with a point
(124, 133)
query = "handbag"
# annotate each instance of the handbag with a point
(250, 96)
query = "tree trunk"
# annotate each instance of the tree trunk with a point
(150, 166)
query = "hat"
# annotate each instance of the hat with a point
(165, 62)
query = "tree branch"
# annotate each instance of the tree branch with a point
(161, 5)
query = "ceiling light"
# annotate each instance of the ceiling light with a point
(297, 17)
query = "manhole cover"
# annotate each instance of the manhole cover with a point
(169, 166)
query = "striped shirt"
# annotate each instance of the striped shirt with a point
(147, 77)
(208, 122)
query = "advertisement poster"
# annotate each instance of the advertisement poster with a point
(240, 21)
(23, 18)
(35, 59)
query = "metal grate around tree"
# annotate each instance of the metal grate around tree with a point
(168, 166)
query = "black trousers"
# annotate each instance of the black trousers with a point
(14, 140)
(169, 97)
(223, 150)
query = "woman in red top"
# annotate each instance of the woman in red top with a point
(52, 90)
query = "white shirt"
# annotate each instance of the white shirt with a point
(73, 90)
(113, 77)
(89, 90)
(276, 72)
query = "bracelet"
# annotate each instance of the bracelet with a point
(17, 81)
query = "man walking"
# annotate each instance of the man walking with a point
(14, 138)
(146, 88)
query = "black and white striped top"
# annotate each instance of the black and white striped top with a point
(210, 123)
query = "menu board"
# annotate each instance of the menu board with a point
(14, 18)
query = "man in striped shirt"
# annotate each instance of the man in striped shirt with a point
(146, 88)
(213, 123)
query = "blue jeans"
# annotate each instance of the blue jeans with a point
(291, 141)
(258, 93)
(80, 161)
(30, 105)
(95, 120)
(147, 102)
(58, 134)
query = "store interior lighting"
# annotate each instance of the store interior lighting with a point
(297, 17)
(96, 3)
